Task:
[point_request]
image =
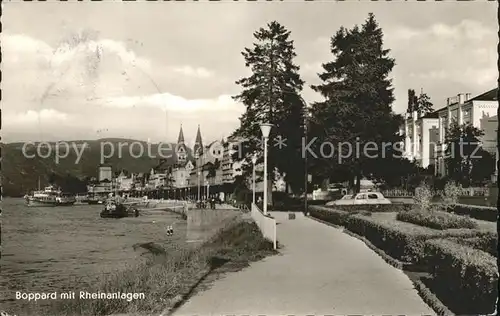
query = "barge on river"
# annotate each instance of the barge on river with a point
(117, 209)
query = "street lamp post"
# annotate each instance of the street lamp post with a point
(199, 185)
(254, 161)
(265, 129)
(306, 117)
(208, 189)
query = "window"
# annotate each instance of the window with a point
(372, 196)
(361, 197)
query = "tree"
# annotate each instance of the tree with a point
(357, 99)
(462, 146)
(412, 101)
(422, 104)
(483, 166)
(272, 94)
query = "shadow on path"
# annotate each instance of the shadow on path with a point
(214, 263)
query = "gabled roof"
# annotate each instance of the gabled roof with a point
(180, 139)
(431, 115)
(487, 96)
(198, 144)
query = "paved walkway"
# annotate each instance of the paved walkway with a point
(320, 271)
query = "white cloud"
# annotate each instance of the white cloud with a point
(465, 30)
(175, 103)
(199, 72)
(76, 86)
(31, 116)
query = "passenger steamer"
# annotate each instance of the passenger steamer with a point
(50, 196)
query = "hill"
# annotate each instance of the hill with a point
(20, 171)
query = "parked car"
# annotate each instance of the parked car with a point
(361, 199)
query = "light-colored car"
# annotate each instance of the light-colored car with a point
(364, 198)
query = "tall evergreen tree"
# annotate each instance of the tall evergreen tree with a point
(424, 104)
(412, 101)
(421, 103)
(357, 97)
(272, 95)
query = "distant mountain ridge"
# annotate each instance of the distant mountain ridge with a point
(20, 173)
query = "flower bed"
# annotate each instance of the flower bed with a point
(401, 240)
(396, 207)
(464, 278)
(486, 243)
(436, 219)
(485, 213)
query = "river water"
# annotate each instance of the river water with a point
(47, 249)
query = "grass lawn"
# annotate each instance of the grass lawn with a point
(169, 279)
(458, 265)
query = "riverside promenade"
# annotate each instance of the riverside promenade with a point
(319, 271)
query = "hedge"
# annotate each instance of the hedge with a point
(469, 276)
(486, 213)
(436, 219)
(336, 217)
(402, 241)
(396, 207)
(486, 243)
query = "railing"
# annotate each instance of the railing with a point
(473, 191)
(479, 191)
(397, 193)
(266, 224)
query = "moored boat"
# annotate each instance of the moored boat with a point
(116, 209)
(50, 196)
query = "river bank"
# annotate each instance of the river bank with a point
(65, 249)
(169, 279)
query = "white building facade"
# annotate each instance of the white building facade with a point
(424, 136)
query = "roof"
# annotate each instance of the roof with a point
(431, 115)
(487, 96)
(198, 144)
(180, 139)
(491, 95)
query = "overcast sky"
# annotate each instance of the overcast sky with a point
(92, 70)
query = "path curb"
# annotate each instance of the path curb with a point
(424, 292)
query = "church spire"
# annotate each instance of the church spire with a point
(198, 144)
(180, 139)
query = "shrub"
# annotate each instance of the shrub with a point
(436, 219)
(423, 197)
(486, 243)
(469, 275)
(401, 240)
(450, 194)
(485, 213)
(336, 217)
(373, 208)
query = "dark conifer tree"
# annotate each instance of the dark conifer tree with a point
(271, 94)
(357, 98)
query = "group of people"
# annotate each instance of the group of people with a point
(212, 201)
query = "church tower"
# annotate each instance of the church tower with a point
(181, 150)
(198, 144)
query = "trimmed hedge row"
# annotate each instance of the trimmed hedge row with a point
(436, 219)
(396, 207)
(461, 274)
(469, 275)
(485, 213)
(402, 241)
(336, 217)
(486, 243)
